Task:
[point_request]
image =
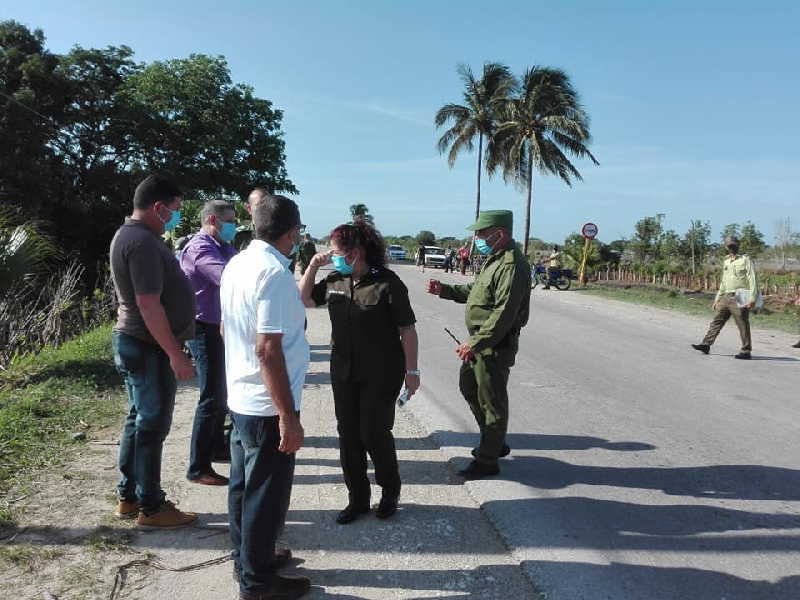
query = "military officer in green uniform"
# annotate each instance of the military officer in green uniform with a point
(498, 303)
(738, 278)
(307, 251)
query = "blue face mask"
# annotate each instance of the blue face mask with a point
(482, 246)
(340, 264)
(228, 232)
(174, 220)
(294, 249)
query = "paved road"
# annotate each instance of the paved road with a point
(640, 469)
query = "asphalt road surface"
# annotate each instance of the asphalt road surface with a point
(640, 469)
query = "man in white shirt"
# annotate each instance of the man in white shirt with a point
(266, 360)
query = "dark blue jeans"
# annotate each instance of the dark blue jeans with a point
(258, 498)
(150, 383)
(208, 438)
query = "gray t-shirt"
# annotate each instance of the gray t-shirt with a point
(142, 264)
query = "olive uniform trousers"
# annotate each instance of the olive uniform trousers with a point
(484, 385)
(729, 308)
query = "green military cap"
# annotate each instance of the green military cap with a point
(493, 218)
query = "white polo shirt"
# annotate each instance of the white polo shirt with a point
(258, 295)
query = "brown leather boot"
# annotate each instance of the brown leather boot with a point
(127, 509)
(167, 517)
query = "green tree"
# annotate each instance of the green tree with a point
(669, 246)
(696, 243)
(645, 238)
(31, 96)
(539, 127)
(731, 230)
(476, 117)
(361, 212)
(426, 238)
(573, 252)
(752, 240)
(210, 134)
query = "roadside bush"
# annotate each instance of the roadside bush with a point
(50, 310)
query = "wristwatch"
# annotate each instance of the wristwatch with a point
(412, 372)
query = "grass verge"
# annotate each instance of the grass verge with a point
(693, 304)
(47, 398)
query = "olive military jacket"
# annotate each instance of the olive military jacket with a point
(366, 319)
(498, 302)
(738, 273)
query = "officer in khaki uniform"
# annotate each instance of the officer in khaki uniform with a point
(498, 304)
(738, 273)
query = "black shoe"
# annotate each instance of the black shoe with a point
(351, 513)
(743, 356)
(477, 470)
(387, 507)
(797, 345)
(281, 587)
(704, 348)
(282, 558)
(504, 451)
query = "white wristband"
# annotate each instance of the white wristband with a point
(412, 372)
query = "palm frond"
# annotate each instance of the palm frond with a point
(451, 112)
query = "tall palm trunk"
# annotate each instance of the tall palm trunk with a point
(480, 156)
(528, 204)
(478, 193)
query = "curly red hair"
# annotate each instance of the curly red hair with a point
(361, 234)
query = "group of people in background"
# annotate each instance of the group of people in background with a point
(242, 316)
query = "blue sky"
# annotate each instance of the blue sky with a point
(694, 105)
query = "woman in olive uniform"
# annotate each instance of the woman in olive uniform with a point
(373, 353)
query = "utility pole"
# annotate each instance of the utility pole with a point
(692, 238)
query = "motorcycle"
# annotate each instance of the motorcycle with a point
(561, 278)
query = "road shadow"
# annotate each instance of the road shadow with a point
(320, 357)
(414, 472)
(741, 482)
(318, 378)
(656, 583)
(758, 357)
(535, 441)
(604, 525)
(332, 443)
(486, 582)
(584, 523)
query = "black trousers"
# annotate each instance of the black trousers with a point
(208, 430)
(365, 417)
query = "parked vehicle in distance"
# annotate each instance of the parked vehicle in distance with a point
(396, 252)
(434, 257)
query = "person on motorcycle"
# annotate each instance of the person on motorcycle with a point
(553, 266)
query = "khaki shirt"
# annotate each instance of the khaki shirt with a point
(498, 301)
(555, 260)
(738, 273)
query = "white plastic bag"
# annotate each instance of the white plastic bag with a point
(743, 299)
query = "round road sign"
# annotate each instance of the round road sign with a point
(589, 231)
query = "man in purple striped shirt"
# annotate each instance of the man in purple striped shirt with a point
(203, 259)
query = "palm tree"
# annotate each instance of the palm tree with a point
(538, 126)
(360, 212)
(25, 251)
(477, 116)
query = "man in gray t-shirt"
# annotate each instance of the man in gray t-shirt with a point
(156, 315)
